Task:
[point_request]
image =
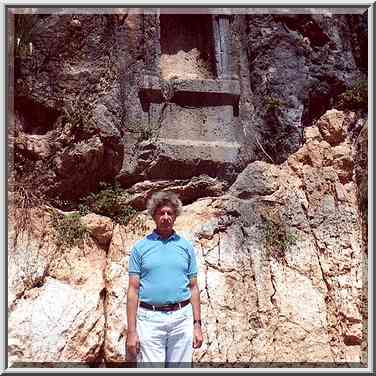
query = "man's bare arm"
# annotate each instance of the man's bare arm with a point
(132, 303)
(196, 307)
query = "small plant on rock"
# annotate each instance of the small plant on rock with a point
(354, 98)
(69, 230)
(78, 117)
(110, 201)
(83, 209)
(272, 104)
(277, 237)
(25, 197)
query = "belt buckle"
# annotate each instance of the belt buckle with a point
(179, 305)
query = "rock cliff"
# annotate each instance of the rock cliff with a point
(258, 121)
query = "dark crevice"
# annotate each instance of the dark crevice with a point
(305, 25)
(321, 98)
(358, 24)
(100, 356)
(37, 118)
(99, 359)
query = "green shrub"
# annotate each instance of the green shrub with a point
(356, 97)
(126, 215)
(272, 103)
(68, 229)
(277, 237)
(110, 201)
(78, 116)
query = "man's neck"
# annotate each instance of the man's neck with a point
(163, 234)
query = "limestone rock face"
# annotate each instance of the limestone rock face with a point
(188, 190)
(281, 269)
(56, 297)
(100, 227)
(66, 96)
(297, 76)
(157, 108)
(331, 127)
(361, 178)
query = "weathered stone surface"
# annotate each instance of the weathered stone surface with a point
(27, 261)
(60, 100)
(107, 66)
(59, 324)
(258, 179)
(301, 62)
(190, 53)
(360, 155)
(188, 190)
(230, 87)
(361, 166)
(312, 134)
(100, 227)
(56, 304)
(180, 159)
(331, 127)
(85, 156)
(36, 146)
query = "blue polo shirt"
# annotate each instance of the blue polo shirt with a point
(165, 267)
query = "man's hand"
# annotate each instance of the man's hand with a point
(133, 346)
(197, 336)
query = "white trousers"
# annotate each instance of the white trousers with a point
(166, 338)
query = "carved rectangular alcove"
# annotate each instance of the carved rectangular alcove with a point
(189, 54)
(187, 47)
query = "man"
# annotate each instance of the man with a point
(163, 301)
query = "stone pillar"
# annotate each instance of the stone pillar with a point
(222, 35)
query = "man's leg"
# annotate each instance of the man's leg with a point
(180, 338)
(153, 337)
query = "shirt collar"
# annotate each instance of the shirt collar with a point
(156, 236)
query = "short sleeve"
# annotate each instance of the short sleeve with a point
(192, 267)
(134, 265)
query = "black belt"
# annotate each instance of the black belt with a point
(167, 307)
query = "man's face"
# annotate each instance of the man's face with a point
(164, 218)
